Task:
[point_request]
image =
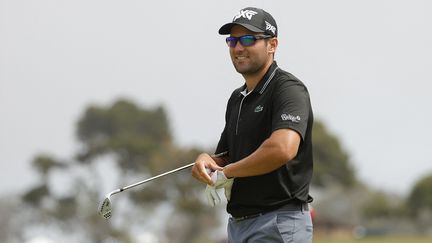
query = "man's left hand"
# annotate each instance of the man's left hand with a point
(221, 181)
(213, 198)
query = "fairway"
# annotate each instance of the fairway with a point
(392, 239)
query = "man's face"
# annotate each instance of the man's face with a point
(249, 60)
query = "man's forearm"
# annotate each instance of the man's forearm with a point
(262, 161)
(274, 152)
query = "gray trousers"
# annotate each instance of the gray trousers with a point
(282, 225)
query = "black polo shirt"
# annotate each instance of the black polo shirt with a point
(279, 101)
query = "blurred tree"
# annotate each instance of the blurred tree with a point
(331, 162)
(43, 164)
(139, 141)
(377, 207)
(420, 204)
(420, 197)
(35, 195)
(380, 205)
(132, 134)
(10, 210)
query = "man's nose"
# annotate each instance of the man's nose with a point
(238, 46)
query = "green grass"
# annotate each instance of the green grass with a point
(390, 239)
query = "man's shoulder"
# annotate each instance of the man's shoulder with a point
(285, 83)
(286, 79)
(285, 76)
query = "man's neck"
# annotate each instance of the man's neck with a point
(252, 80)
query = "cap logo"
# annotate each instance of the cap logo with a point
(245, 14)
(270, 27)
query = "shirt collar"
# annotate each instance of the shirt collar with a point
(245, 92)
(265, 81)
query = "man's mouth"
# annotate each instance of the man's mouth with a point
(240, 58)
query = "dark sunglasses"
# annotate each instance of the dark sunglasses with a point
(246, 40)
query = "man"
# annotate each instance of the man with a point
(264, 160)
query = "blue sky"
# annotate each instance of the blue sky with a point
(366, 63)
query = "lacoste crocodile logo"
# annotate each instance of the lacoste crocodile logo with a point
(259, 108)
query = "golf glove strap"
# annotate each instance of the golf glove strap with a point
(221, 181)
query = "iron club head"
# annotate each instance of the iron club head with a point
(105, 208)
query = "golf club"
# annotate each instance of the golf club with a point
(105, 208)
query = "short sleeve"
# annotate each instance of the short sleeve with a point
(222, 145)
(291, 107)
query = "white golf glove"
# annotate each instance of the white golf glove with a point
(219, 181)
(213, 198)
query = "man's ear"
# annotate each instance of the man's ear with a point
(273, 43)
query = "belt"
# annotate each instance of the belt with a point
(237, 219)
(289, 207)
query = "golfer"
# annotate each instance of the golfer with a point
(266, 144)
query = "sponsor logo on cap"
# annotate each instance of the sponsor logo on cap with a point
(248, 14)
(270, 27)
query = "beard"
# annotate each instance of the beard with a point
(249, 68)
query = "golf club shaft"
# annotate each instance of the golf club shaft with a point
(158, 176)
(155, 177)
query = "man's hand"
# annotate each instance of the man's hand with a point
(202, 163)
(213, 198)
(219, 180)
